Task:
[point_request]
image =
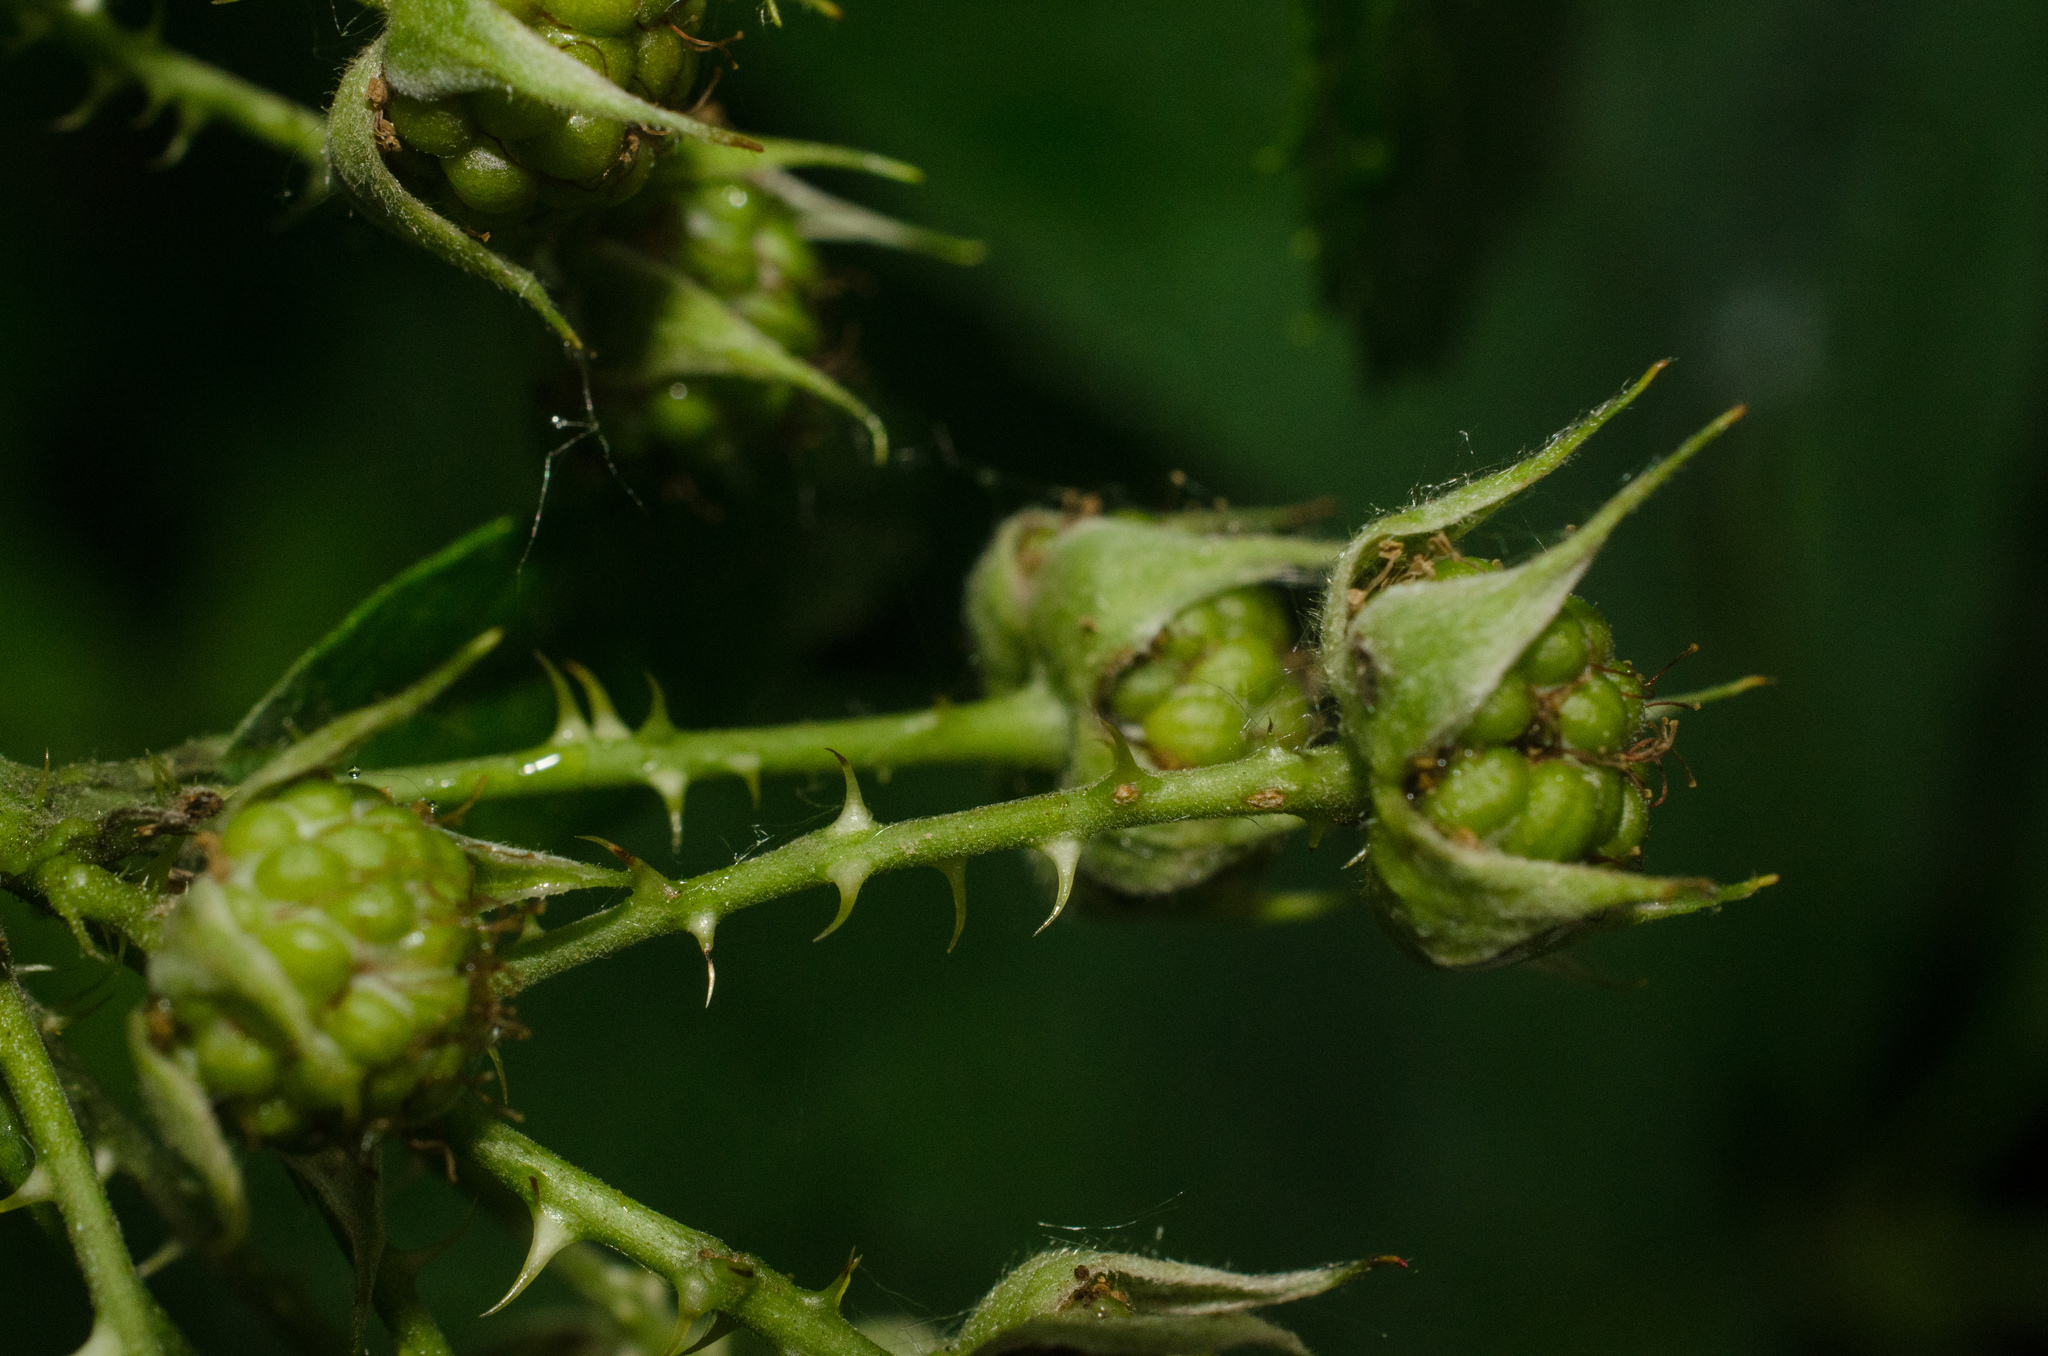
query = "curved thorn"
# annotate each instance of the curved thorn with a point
(747, 767)
(837, 1290)
(710, 974)
(34, 1190)
(670, 784)
(849, 876)
(551, 1233)
(955, 872)
(1065, 855)
(721, 1325)
(853, 816)
(604, 717)
(1124, 769)
(657, 725)
(570, 727)
(1318, 825)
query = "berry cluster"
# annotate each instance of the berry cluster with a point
(505, 155)
(741, 243)
(1216, 682)
(369, 914)
(1545, 767)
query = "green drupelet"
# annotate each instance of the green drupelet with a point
(1542, 768)
(368, 914)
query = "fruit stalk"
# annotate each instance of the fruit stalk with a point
(1028, 728)
(570, 1205)
(1319, 782)
(200, 92)
(121, 1307)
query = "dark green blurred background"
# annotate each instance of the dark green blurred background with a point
(1818, 1125)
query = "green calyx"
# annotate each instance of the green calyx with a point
(328, 975)
(1506, 746)
(1170, 632)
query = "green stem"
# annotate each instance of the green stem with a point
(120, 1303)
(1320, 782)
(413, 1329)
(200, 92)
(1027, 728)
(569, 1205)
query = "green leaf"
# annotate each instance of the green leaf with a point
(430, 609)
(352, 147)
(694, 334)
(1424, 132)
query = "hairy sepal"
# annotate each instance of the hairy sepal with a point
(1109, 586)
(352, 148)
(1454, 514)
(1463, 906)
(437, 48)
(1424, 655)
(1123, 1304)
(694, 334)
(820, 216)
(1418, 660)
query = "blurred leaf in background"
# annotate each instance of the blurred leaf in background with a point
(1819, 1126)
(1427, 123)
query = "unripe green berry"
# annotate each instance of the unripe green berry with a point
(1558, 655)
(371, 1024)
(323, 1086)
(1635, 695)
(368, 911)
(719, 228)
(258, 829)
(510, 117)
(1612, 789)
(659, 55)
(231, 1062)
(317, 803)
(314, 956)
(437, 1001)
(580, 146)
(436, 947)
(1599, 635)
(302, 870)
(1631, 824)
(595, 16)
(1503, 716)
(1462, 567)
(1562, 813)
(1245, 668)
(439, 127)
(1143, 686)
(611, 57)
(785, 259)
(1593, 717)
(1195, 727)
(1256, 611)
(1481, 791)
(380, 912)
(486, 181)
